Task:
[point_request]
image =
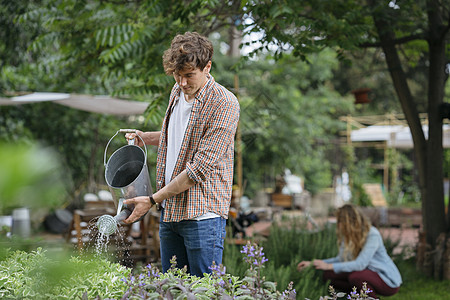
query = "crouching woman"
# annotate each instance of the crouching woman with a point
(362, 257)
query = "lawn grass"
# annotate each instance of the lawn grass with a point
(416, 286)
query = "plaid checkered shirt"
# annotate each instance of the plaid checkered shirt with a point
(207, 153)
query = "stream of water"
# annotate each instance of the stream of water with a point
(113, 246)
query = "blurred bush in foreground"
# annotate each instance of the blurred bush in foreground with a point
(30, 176)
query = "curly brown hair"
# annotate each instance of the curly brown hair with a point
(187, 51)
(352, 230)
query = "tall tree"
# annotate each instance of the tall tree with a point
(409, 33)
(289, 118)
(93, 47)
(116, 46)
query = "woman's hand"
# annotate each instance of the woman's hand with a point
(317, 263)
(321, 265)
(303, 264)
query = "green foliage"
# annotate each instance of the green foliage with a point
(14, 39)
(366, 69)
(417, 286)
(30, 176)
(79, 137)
(36, 276)
(289, 246)
(116, 46)
(305, 27)
(413, 37)
(354, 294)
(289, 117)
(361, 173)
(43, 275)
(403, 190)
(178, 284)
(91, 47)
(284, 249)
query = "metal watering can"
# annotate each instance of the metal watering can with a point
(127, 176)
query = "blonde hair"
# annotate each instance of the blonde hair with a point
(187, 51)
(352, 230)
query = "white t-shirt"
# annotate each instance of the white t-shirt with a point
(181, 112)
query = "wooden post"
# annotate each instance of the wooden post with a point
(235, 40)
(386, 167)
(238, 146)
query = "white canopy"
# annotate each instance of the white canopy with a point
(396, 136)
(95, 104)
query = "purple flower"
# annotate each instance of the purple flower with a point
(214, 268)
(255, 255)
(219, 270)
(155, 273)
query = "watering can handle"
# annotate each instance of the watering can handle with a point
(125, 131)
(130, 141)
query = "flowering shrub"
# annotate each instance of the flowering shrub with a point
(353, 295)
(256, 284)
(34, 276)
(151, 284)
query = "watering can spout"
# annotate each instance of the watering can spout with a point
(107, 224)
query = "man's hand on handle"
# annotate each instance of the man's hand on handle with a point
(149, 137)
(137, 140)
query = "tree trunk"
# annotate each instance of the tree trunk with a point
(429, 153)
(435, 206)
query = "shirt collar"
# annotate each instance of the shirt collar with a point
(200, 95)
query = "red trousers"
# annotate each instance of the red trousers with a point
(346, 281)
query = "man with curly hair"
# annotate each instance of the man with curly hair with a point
(194, 170)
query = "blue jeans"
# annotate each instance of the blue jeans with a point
(196, 244)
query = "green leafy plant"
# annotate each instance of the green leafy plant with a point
(363, 294)
(34, 275)
(290, 242)
(177, 283)
(31, 176)
(41, 274)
